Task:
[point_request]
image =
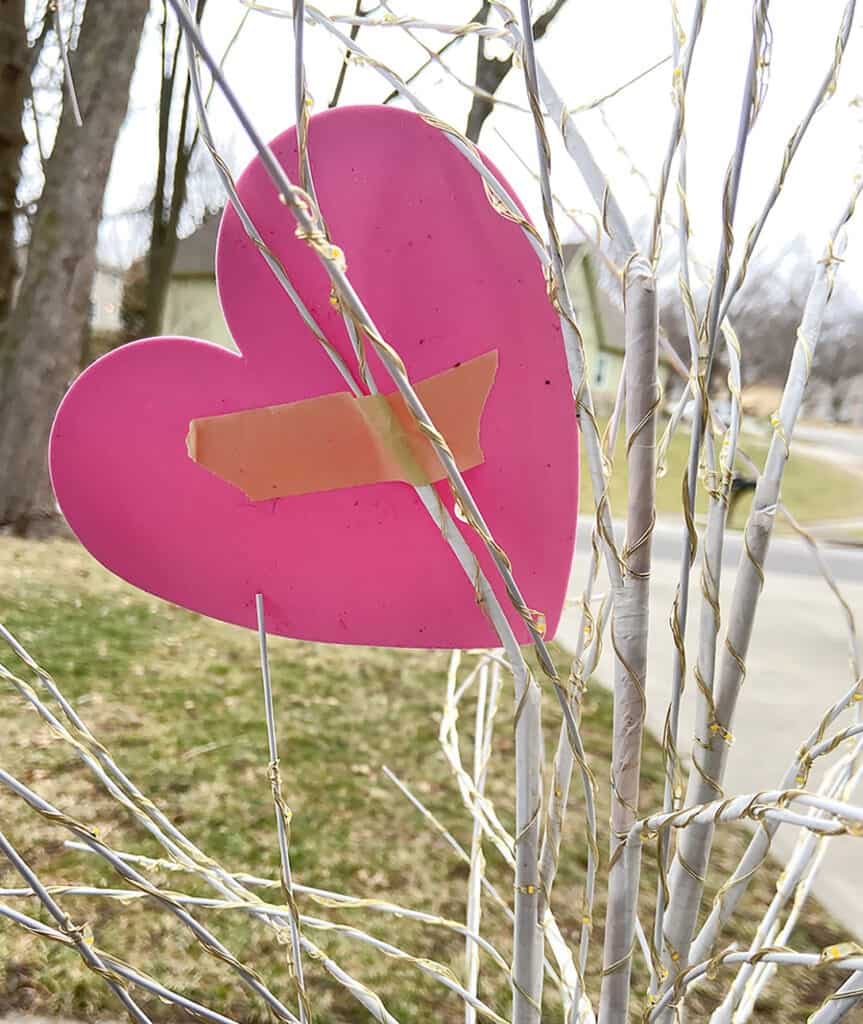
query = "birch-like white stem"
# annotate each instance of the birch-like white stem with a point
(680, 605)
(528, 937)
(629, 629)
(716, 718)
(117, 967)
(712, 561)
(73, 933)
(481, 751)
(686, 883)
(680, 79)
(825, 90)
(187, 857)
(488, 888)
(205, 938)
(729, 895)
(808, 847)
(844, 1000)
(785, 958)
(283, 818)
(540, 85)
(732, 891)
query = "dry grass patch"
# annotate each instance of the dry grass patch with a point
(177, 700)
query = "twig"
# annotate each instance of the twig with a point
(116, 967)
(686, 884)
(205, 938)
(75, 934)
(629, 630)
(706, 779)
(67, 68)
(283, 819)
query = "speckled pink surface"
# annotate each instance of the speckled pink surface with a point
(445, 278)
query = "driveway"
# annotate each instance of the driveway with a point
(842, 445)
(798, 664)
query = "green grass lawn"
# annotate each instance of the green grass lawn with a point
(176, 698)
(813, 489)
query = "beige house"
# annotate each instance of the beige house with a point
(601, 323)
(192, 306)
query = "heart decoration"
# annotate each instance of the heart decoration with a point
(447, 280)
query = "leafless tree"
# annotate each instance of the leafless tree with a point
(52, 311)
(172, 172)
(490, 71)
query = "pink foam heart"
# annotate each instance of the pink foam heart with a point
(445, 278)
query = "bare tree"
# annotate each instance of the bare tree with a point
(175, 153)
(491, 72)
(52, 312)
(14, 82)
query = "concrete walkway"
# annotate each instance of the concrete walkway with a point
(798, 664)
(840, 445)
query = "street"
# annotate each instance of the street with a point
(797, 665)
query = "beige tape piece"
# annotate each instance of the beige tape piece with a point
(337, 440)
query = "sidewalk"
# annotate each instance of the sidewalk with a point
(798, 664)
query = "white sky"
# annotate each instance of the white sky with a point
(590, 50)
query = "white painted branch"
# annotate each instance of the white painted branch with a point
(117, 967)
(629, 630)
(809, 849)
(74, 934)
(483, 720)
(824, 92)
(843, 1001)
(558, 948)
(782, 958)
(680, 606)
(613, 219)
(716, 714)
(283, 819)
(186, 855)
(205, 938)
(729, 896)
(680, 80)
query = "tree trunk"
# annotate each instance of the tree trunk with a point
(14, 83)
(629, 630)
(168, 203)
(52, 312)
(163, 241)
(490, 72)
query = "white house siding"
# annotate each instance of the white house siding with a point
(105, 299)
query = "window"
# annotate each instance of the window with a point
(601, 370)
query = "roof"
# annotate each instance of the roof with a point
(196, 256)
(196, 253)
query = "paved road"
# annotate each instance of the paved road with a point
(787, 554)
(842, 445)
(797, 665)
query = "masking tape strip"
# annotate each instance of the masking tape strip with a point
(337, 440)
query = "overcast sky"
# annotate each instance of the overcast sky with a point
(590, 50)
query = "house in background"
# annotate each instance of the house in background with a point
(192, 307)
(600, 321)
